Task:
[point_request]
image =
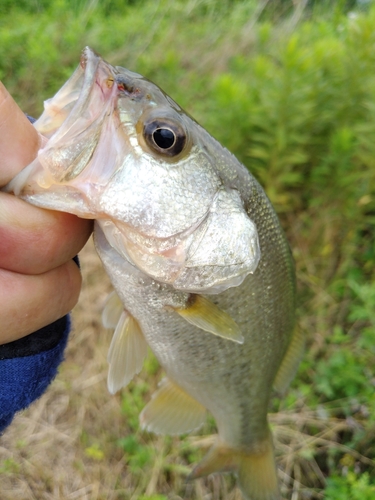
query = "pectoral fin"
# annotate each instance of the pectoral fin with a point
(172, 411)
(126, 354)
(204, 314)
(290, 362)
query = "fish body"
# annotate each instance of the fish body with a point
(194, 250)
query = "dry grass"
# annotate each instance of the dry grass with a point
(68, 444)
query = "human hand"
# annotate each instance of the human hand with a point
(39, 281)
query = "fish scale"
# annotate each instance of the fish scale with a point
(202, 270)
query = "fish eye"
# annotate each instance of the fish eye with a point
(165, 137)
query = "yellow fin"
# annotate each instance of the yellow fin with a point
(112, 311)
(219, 459)
(172, 411)
(126, 354)
(256, 470)
(290, 362)
(257, 474)
(204, 314)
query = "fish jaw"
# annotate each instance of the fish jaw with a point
(177, 220)
(68, 173)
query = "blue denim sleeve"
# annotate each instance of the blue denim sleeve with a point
(28, 366)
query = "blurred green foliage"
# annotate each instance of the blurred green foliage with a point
(351, 487)
(289, 88)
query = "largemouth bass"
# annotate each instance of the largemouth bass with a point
(201, 267)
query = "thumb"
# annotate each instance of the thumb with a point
(19, 141)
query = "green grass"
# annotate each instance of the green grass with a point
(292, 94)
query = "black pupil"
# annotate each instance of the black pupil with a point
(164, 138)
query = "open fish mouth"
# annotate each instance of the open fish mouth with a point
(167, 217)
(92, 78)
(83, 148)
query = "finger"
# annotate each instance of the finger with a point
(30, 302)
(19, 141)
(33, 240)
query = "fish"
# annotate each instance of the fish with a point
(201, 268)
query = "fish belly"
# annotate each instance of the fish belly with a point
(231, 380)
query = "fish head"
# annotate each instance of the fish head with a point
(122, 152)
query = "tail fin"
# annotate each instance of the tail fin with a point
(257, 474)
(256, 470)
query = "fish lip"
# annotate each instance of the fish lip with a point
(85, 56)
(88, 56)
(91, 62)
(105, 76)
(96, 72)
